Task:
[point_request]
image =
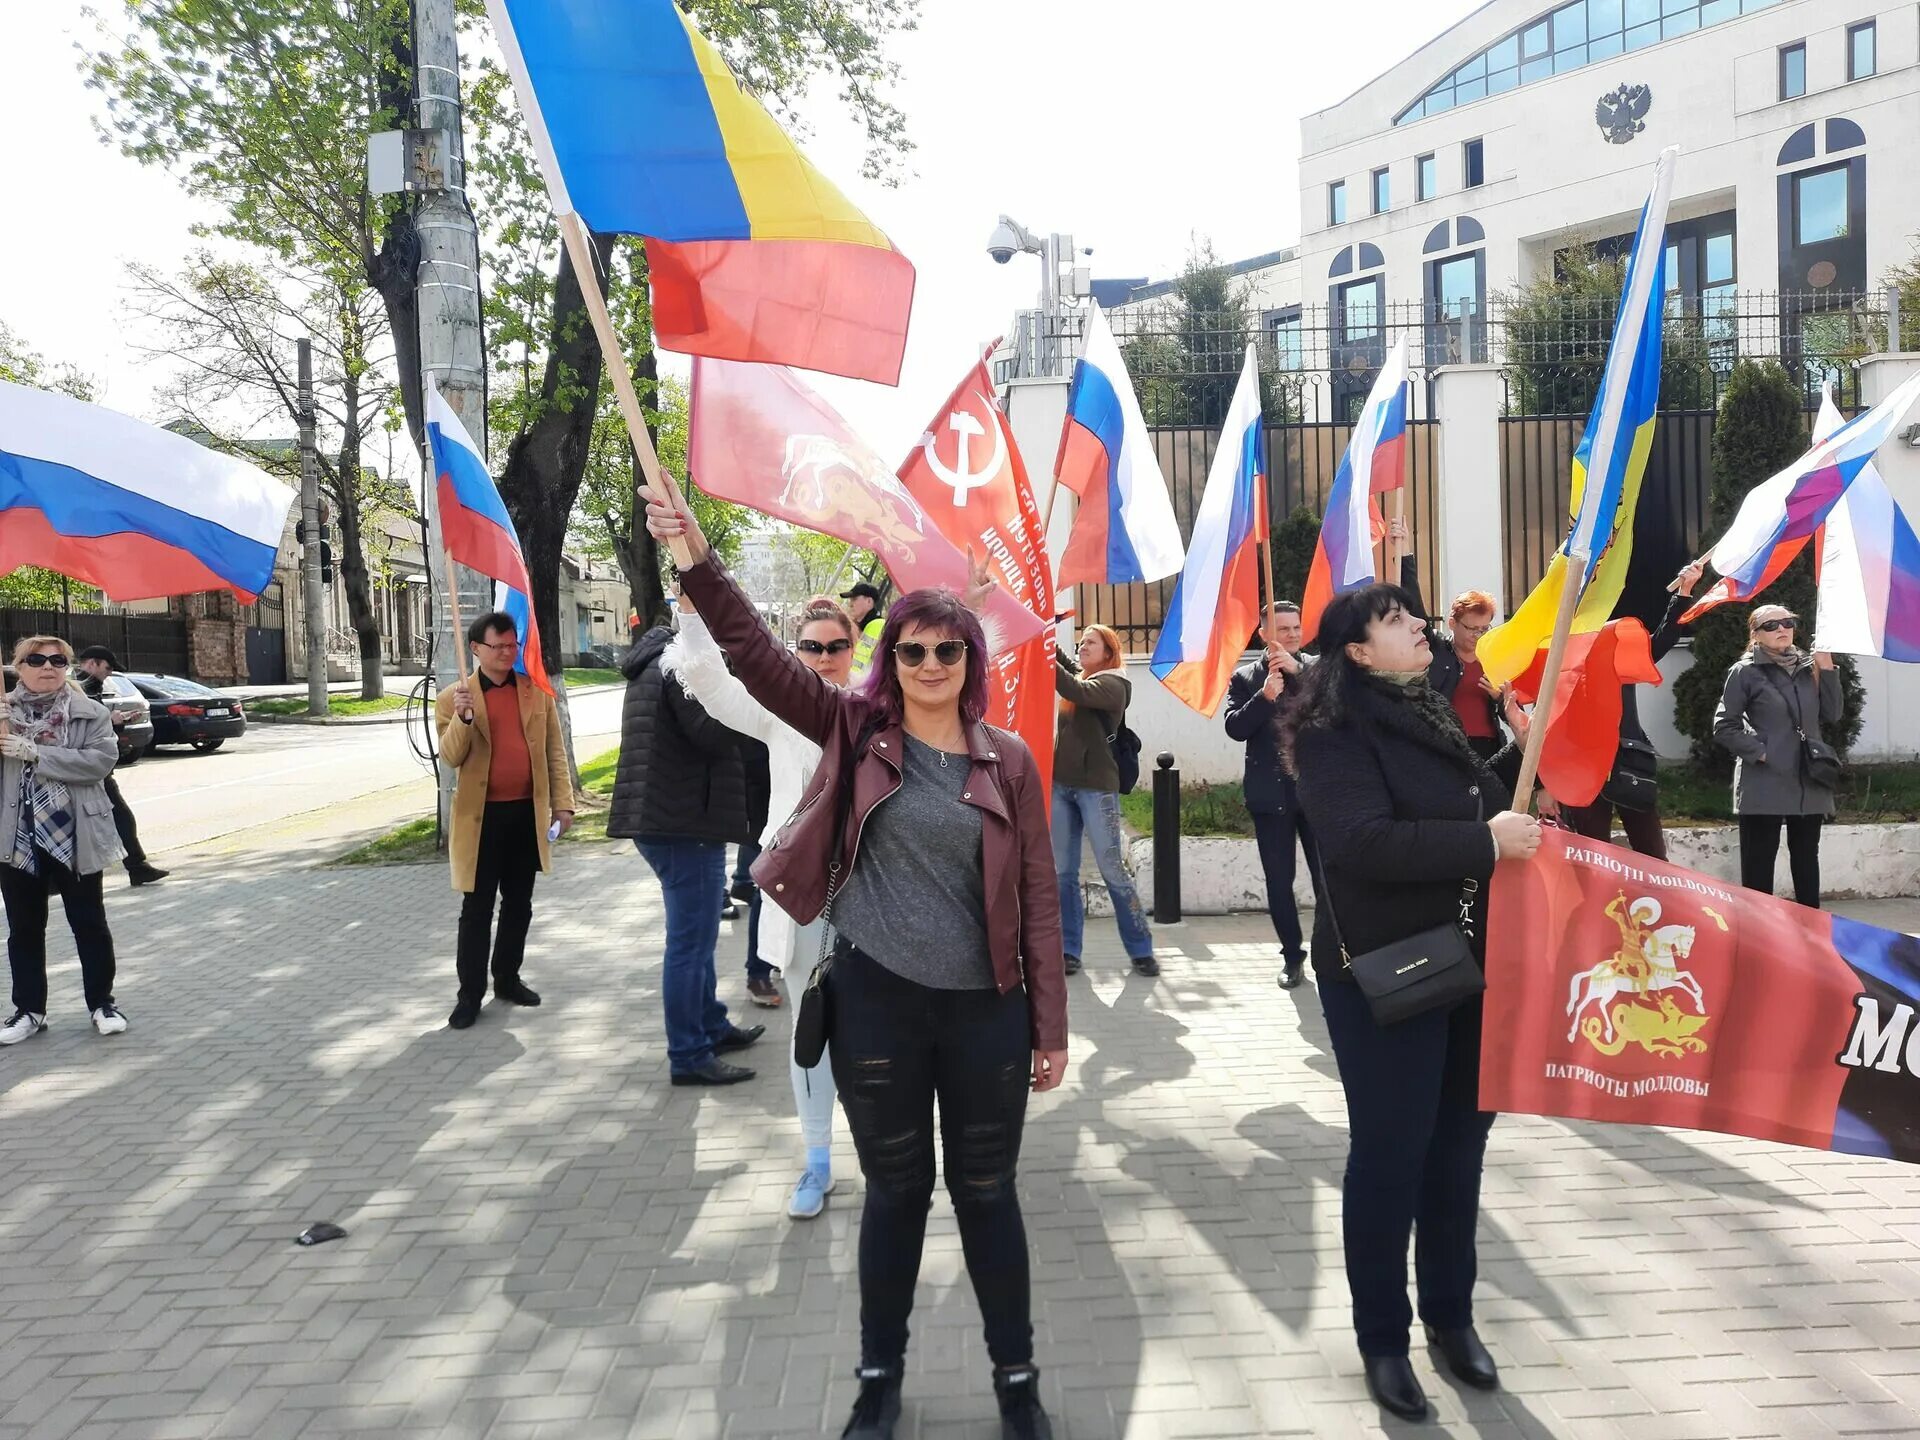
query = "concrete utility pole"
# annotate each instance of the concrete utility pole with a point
(448, 286)
(313, 594)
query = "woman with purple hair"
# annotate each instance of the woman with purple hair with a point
(927, 831)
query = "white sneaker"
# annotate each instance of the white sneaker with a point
(109, 1021)
(21, 1027)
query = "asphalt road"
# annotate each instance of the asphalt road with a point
(303, 787)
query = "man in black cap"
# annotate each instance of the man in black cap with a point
(863, 603)
(97, 662)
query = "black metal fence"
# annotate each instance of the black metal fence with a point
(1302, 458)
(139, 642)
(1316, 364)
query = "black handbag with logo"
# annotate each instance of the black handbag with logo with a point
(1428, 971)
(1634, 783)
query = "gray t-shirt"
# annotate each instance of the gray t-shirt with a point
(917, 901)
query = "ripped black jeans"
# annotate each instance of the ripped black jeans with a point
(896, 1046)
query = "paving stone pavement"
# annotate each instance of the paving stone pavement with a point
(547, 1242)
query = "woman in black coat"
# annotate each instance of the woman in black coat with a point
(1405, 814)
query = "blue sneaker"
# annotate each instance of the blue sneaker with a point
(810, 1195)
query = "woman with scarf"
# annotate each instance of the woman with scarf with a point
(1409, 822)
(1776, 701)
(56, 824)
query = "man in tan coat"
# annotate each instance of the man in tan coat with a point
(511, 790)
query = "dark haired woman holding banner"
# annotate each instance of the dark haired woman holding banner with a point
(925, 832)
(1409, 821)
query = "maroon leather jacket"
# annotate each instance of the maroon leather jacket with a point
(1023, 895)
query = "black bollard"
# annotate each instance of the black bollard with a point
(1166, 841)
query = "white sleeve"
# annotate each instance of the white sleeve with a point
(701, 667)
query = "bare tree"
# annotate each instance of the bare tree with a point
(231, 329)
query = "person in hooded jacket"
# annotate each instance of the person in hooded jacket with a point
(680, 794)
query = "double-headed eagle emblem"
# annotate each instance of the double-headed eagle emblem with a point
(1622, 114)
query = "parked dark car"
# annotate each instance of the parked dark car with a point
(122, 699)
(186, 712)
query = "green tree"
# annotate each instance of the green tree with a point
(30, 587)
(1559, 328)
(1760, 430)
(1185, 356)
(608, 516)
(1294, 539)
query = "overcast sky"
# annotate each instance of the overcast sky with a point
(1135, 127)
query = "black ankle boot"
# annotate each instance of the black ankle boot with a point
(1466, 1357)
(1021, 1418)
(1391, 1382)
(876, 1410)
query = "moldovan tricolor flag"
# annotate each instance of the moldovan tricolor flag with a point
(641, 129)
(985, 501)
(1375, 462)
(477, 531)
(1124, 530)
(1777, 517)
(129, 507)
(1608, 466)
(1216, 605)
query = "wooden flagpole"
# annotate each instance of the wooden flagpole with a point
(1549, 682)
(459, 627)
(660, 484)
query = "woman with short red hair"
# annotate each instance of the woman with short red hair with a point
(1456, 674)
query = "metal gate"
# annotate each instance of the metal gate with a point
(139, 642)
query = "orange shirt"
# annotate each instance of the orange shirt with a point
(510, 775)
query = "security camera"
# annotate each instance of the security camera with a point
(1004, 243)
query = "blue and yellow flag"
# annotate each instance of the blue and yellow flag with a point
(753, 254)
(1610, 462)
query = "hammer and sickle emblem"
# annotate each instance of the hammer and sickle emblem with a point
(966, 425)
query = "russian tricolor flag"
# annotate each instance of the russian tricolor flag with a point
(129, 507)
(1777, 518)
(477, 531)
(1216, 605)
(1375, 462)
(1124, 531)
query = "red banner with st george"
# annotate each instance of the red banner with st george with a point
(1624, 989)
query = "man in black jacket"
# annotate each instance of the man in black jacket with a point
(97, 662)
(1257, 697)
(680, 794)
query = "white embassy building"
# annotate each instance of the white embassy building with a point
(1462, 171)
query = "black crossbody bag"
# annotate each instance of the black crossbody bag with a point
(1819, 761)
(813, 1020)
(1427, 971)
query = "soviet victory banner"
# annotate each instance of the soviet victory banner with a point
(1623, 989)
